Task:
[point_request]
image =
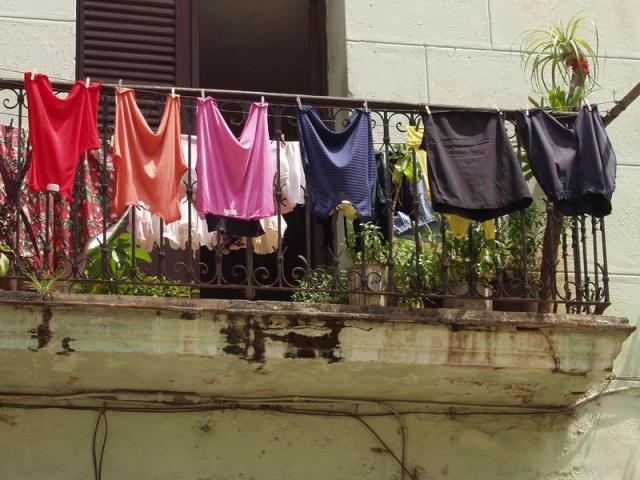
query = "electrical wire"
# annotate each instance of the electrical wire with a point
(98, 457)
(279, 405)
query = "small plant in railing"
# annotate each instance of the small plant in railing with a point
(43, 283)
(320, 279)
(120, 255)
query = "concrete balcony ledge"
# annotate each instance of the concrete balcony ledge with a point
(93, 343)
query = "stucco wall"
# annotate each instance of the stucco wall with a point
(422, 51)
(599, 444)
(465, 53)
(38, 34)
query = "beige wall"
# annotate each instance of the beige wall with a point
(441, 51)
(598, 444)
(38, 34)
(465, 53)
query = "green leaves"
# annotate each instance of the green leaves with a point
(4, 264)
(119, 260)
(402, 160)
(4, 259)
(559, 59)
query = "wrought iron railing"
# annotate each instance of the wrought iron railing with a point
(537, 261)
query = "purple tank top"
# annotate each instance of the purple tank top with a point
(235, 175)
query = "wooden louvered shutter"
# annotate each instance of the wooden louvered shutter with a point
(152, 42)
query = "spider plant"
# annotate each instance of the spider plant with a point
(42, 283)
(563, 66)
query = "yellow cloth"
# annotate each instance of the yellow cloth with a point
(459, 225)
(348, 211)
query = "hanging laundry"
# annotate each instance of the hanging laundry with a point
(292, 179)
(84, 216)
(235, 227)
(176, 234)
(380, 216)
(459, 225)
(414, 142)
(147, 225)
(402, 220)
(268, 242)
(576, 167)
(339, 166)
(12, 173)
(60, 131)
(149, 166)
(473, 171)
(235, 175)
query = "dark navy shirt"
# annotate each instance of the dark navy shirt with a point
(576, 167)
(340, 165)
(473, 171)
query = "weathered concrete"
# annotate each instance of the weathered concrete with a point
(238, 348)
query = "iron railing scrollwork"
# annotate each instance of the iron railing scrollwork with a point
(429, 267)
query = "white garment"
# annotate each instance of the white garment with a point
(268, 243)
(147, 225)
(292, 177)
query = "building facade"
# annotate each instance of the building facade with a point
(434, 52)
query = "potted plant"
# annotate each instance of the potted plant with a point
(563, 69)
(418, 277)
(513, 280)
(315, 288)
(368, 273)
(471, 268)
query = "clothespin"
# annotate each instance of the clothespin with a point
(34, 72)
(88, 82)
(526, 109)
(262, 99)
(426, 107)
(120, 82)
(299, 102)
(497, 109)
(586, 102)
(366, 105)
(202, 93)
(173, 92)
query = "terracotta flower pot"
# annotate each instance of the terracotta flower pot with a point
(375, 280)
(465, 301)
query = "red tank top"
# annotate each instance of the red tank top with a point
(60, 130)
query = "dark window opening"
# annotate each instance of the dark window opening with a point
(274, 46)
(270, 46)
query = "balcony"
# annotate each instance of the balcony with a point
(501, 320)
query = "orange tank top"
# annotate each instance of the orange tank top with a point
(148, 166)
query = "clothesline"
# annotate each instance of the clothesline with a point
(311, 99)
